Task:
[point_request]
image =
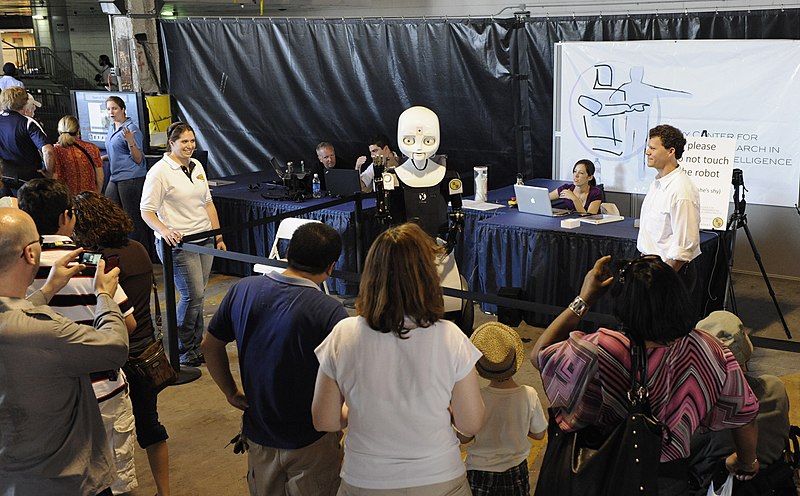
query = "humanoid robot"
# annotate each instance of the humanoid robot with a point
(419, 190)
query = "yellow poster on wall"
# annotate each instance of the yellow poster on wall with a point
(160, 117)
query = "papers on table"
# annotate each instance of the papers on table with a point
(601, 218)
(478, 205)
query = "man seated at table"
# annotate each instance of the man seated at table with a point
(378, 145)
(326, 154)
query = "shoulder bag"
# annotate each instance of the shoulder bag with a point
(152, 365)
(589, 462)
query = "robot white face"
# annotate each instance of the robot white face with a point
(418, 133)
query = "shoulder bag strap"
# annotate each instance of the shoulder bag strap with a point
(89, 157)
(157, 320)
(638, 392)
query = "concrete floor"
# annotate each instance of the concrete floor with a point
(201, 422)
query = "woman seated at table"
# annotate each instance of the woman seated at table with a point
(583, 195)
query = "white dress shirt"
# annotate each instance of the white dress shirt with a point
(669, 223)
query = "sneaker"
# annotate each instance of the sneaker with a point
(192, 362)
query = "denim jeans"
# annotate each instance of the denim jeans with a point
(191, 277)
(128, 195)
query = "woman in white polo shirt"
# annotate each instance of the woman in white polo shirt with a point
(176, 202)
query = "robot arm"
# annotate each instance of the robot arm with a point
(382, 193)
(456, 226)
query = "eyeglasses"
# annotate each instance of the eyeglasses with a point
(624, 268)
(40, 241)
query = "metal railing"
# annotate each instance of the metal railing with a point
(42, 63)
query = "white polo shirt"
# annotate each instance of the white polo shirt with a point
(179, 202)
(669, 224)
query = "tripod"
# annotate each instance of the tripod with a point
(739, 219)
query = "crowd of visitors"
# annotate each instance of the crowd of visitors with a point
(401, 381)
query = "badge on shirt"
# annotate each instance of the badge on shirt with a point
(201, 177)
(456, 188)
(388, 181)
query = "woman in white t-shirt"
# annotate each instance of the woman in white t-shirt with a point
(394, 374)
(176, 202)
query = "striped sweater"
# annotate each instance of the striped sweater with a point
(694, 381)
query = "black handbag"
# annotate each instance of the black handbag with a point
(152, 365)
(590, 462)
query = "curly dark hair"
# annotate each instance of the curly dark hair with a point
(101, 223)
(671, 137)
(650, 300)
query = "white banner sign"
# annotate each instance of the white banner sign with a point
(709, 162)
(609, 94)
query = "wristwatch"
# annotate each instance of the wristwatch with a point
(579, 307)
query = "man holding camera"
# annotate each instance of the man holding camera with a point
(52, 439)
(49, 203)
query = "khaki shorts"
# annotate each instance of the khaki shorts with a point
(312, 470)
(455, 487)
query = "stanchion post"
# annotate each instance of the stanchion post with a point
(185, 374)
(171, 323)
(359, 228)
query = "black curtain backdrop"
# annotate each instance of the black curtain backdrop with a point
(258, 88)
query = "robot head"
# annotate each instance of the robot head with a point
(418, 133)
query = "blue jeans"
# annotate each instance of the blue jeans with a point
(191, 277)
(128, 195)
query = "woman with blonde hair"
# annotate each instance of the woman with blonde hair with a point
(78, 162)
(399, 377)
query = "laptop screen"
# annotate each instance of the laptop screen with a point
(533, 200)
(342, 182)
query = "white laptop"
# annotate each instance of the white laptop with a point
(535, 200)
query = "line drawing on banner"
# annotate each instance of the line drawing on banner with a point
(616, 118)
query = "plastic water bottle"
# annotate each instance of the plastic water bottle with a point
(302, 166)
(316, 187)
(520, 180)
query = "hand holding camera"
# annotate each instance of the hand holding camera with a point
(105, 282)
(61, 272)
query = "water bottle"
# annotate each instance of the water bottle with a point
(302, 166)
(316, 187)
(520, 179)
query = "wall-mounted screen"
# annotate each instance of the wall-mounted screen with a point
(89, 106)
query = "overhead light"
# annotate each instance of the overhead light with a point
(167, 13)
(38, 17)
(113, 7)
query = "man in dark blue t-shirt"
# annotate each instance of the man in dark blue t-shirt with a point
(21, 141)
(277, 321)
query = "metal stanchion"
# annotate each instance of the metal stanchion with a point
(185, 374)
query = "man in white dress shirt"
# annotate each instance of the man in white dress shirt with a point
(670, 218)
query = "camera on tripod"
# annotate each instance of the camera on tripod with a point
(739, 204)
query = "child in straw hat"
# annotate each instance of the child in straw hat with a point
(497, 462)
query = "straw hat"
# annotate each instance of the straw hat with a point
(727, 327)
(502, 350)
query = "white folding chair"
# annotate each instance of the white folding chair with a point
(609, 208)
(286, 229)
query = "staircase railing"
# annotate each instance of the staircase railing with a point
(42, 63)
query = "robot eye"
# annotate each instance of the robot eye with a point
(428, 140)
(408, 140)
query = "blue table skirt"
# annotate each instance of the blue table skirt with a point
(549, 262)
(242, 202)
(465, 251)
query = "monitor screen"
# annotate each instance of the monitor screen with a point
(89, 106)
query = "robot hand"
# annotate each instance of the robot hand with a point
(456, 227)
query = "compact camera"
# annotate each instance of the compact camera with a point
(92, 258)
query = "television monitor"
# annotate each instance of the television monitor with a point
(89, 106)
